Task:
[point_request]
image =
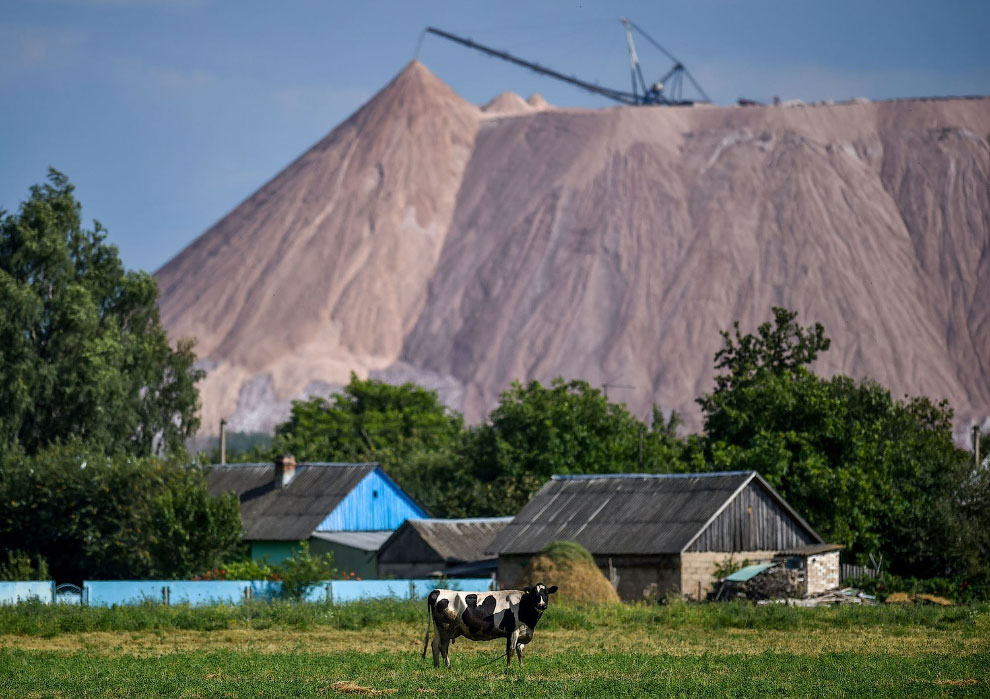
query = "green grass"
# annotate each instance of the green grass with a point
(243, 674)
(301, 650)
(36, 619)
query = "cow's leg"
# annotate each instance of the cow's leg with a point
(510, 645)
(445, 649)
(435, 647)
(519, 652)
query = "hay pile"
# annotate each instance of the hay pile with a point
(570, 567)
(905, 598)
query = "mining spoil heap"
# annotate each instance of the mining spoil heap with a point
(426, 239)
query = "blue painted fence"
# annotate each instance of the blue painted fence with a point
(105, 593)
(22, 590)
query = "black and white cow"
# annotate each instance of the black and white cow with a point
(483, 616)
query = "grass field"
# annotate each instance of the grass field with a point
(373, 649)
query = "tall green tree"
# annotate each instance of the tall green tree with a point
(874, 473)
(537, 431)
(82, 349)
(404, 428)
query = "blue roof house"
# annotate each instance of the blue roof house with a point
(342, 508)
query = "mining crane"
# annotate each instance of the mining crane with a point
(667, 90)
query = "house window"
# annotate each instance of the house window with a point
(374, 493)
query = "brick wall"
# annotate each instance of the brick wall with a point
(698, 569)
(822, 573)
(643, 578)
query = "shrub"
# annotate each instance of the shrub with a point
(20, 567)
(886, 584)
(729, 566)
(300, 571)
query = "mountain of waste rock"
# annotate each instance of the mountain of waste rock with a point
(426, 239)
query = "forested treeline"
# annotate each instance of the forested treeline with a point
(880, 475)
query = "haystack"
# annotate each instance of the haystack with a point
(570, 567)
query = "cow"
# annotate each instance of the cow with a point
(483, 616)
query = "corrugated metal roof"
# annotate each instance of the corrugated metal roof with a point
(619, 514)
(748, 572)
(365, 541)
(458, 540)
(811, 550)
(292, 512)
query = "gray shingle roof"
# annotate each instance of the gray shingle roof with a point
(459, 540)
(292, 512)
(624, 513)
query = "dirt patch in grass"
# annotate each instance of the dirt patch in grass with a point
(348, 687)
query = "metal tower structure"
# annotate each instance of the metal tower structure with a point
(668, 90)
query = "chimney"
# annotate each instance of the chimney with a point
(285, 470)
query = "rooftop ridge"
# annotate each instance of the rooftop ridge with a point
(341, 464)
(463, 520)
(597, 476)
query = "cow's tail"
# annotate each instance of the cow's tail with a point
(429, 623)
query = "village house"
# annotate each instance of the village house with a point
(447, 547)
(656, 533)
(345, 509)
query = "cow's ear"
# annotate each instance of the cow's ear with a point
(552, 589)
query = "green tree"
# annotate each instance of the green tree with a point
(191, 530)
(404, 428)
(96, 516)
(876, 474)
(82, 350)
(567, 427)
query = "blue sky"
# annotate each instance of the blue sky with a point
(167, 113)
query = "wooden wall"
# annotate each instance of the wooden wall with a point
(753, 521)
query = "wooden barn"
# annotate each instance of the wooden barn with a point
(448, 547)
(348, 510)
(654, 534)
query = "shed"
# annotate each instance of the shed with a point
(656, 533)
(449, 547)
(285, 503)
(817, 566)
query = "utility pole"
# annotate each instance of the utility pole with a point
(976, 446)
(223, 441)
(609, 384)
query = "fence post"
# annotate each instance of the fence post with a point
(165, 592)
(412, 590)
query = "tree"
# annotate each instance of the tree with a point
(96, 516)
(567, 427)
(82, 349)
(876, 474)
(403, 428)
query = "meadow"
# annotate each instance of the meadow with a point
(373, 648)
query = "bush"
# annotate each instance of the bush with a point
(20, 567)
(300, 571)
(728, 566)
(887, 584)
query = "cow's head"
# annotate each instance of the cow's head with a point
(539, 595)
